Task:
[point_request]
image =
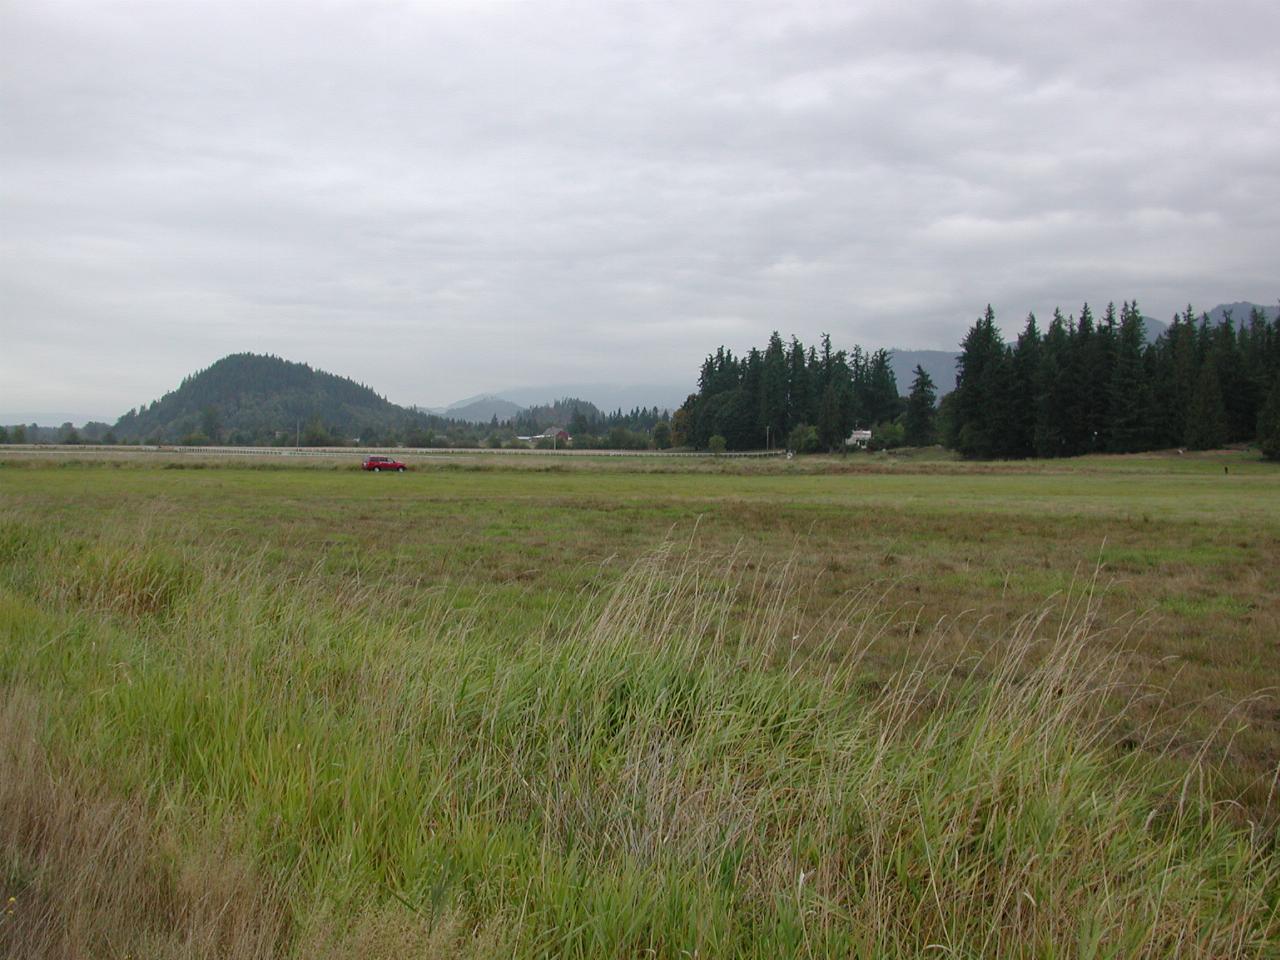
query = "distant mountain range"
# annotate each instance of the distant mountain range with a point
(480, 409)
(606, 396)
(1240, 313)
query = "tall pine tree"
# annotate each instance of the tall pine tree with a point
(1130, 396)
(981, 353)
(1207, 416)
(918, 421)
(1269, 421)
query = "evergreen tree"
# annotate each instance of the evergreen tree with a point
(1185, 358)
(981, 352)
(1170, 371)
(1130, 396)
(831, 433)
(1004, 417)
(1100, 364)
(848, 403)
(1079, 424)
(1207, 416)
(1269, 421)
(920, 413)
(1240, 406)
(826, 364)
(1254, 343)
(1025, 388)
(748, 428)
(1052, 390)
(801, 404)
(773, 391)
(880, 400)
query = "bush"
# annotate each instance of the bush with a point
(662, 435)
(887, 436)
(803, 439)
(716, 444)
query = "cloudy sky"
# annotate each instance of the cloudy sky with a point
(445, 198)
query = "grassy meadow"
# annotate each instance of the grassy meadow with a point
(555, 707)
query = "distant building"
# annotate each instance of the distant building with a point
(859, 439)
(558, 435)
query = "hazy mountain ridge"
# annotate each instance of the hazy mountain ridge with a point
(252, 398)
(610, 396)
(480, 409)
(520, 403)
(1240, 313)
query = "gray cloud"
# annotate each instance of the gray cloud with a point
(439, 199)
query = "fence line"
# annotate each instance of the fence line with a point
(411, 452)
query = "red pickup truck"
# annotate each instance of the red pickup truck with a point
(378, 464)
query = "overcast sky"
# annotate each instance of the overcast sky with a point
(447, 198)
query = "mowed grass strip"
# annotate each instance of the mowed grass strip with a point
(582, 722)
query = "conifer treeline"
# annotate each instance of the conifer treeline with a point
(810, 397)
(1086, 386)
(1082, 385)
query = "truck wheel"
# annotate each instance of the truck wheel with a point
(377, 469)
(399, 469)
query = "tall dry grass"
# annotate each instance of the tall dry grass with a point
(678, 769)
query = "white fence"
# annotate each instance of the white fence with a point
(331, 452)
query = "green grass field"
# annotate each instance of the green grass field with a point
(576, 707)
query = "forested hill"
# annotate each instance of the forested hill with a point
(248, 398)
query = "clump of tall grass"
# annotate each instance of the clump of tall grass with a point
(129, 570)
(87, 874)
(682, 768)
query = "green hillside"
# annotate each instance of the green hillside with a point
(249, 398)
